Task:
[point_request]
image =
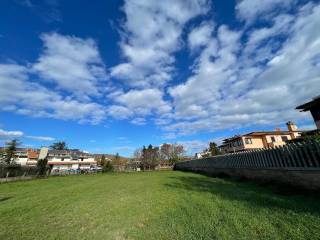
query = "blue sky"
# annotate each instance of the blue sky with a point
(111, 76)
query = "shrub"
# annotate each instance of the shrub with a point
(107, 167)
(42, 167)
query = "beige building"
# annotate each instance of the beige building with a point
(261, 139)
(24, 156)
(65, 160)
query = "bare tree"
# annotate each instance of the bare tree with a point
(171, 152)
(150, 157)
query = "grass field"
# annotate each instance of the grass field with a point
(153, 205)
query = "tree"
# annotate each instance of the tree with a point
(61, 145)
(103, 160)
(213, 149)
(150, 157)
(11, 148)
(107, 167)
(137, 156)
(116, 159)
(171, 152)
(165, 151)
(42, 166)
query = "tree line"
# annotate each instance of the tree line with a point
(149, 158)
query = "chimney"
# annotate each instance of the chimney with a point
(278, 129)
(291, 126)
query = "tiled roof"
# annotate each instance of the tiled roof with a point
(32, 154)
(261, 133)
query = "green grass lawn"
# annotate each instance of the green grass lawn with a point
(153, 205)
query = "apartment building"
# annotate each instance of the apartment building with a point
(260, 139)
(24, 156)
(62, 160)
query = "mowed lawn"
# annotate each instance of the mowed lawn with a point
(153, 205)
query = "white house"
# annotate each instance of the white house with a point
(62, 160)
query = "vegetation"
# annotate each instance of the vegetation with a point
(107, 167)
(150, 157)
(42, 167)
(312, 135)
(153, 205)
(101, 160)
(11, 148)
(213, 149)
(171, 152)
(61, 145)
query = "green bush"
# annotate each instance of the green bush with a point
(107, 167)
(42, 167)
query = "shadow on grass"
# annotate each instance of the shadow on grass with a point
(251, 193)
(2, 199)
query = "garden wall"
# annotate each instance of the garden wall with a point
(296, 164)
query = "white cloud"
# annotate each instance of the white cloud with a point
(41, 138)
(144, 101)
(249, 10)
(10, 134)
(236, 84)
(139, 103)
(72, 63)
(194, 146)
(138, 121)
(200, 36)
(119, 112)
(19, 94)
(152, 33)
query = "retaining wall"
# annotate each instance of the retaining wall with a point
(294, 164)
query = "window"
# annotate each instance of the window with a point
(62, 159)
(284, 138)
(273, 139)
(248, 140)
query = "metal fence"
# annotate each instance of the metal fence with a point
(305, 155)
(16, 171)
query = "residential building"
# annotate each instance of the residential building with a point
(24, 156)
(203, 154)
(68, 159)
(33, 156)
(314, 108)
(21, 156)
(260, 139)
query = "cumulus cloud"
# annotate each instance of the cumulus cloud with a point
(200, 36)
(23, 96)
(249, 10)
(41, 138)
(148, 49)
(139, 103)
(138, 121)
(10, 134)
(72, 63)
(260, 81)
